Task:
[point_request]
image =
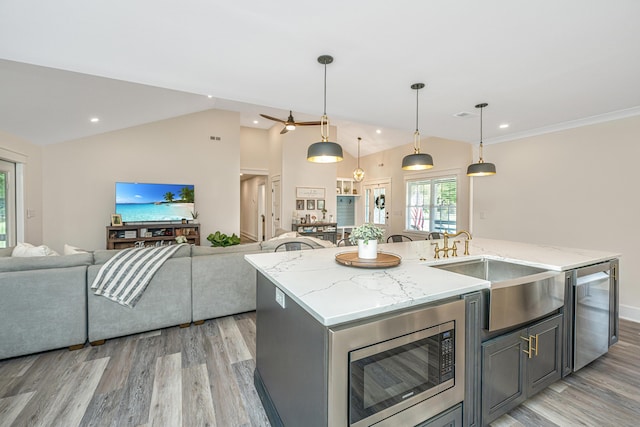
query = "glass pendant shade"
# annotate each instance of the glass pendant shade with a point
(417, 161)
(325, 151)
(481, 168)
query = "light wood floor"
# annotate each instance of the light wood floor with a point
(203, 376)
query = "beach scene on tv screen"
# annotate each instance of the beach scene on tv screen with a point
(140, 202)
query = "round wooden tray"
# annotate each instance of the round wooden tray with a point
(383, 260)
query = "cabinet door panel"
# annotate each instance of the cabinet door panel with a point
(502, 375)
(545, 367)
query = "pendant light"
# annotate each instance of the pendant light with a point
(324, 151)
(358, 173)
(481, 168)
(417, 160)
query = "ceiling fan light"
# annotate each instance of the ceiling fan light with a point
(417, 162)
(481, 169)
(324, 152)
(290, 126)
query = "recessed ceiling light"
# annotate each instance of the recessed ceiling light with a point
(255, 122)
(209, 96)
(504, 125)
(94, 120)
(378, 131)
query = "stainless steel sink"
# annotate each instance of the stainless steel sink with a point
(518, 294)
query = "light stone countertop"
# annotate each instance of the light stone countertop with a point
(333, 293)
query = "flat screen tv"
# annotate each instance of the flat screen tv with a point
(142, 202)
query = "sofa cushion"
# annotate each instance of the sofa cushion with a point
(44, 262)
(207, 250)
(28, 250)
(6, 252)
(103, 255)
(71, 250)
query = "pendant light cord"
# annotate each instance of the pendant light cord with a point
(480, 150)
(359, 152)
(324, 120)
(325, 89)
(416, 134)
(417, 106)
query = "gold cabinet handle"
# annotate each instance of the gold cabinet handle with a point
(528, 351)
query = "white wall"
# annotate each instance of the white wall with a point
(298, 172)
(449, 157)
(18, 150)
(78, 193)
(254, 149)
(574, 188)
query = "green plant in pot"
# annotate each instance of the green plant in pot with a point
(221, 239)
(366, 236)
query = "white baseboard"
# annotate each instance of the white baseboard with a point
(630, 312)
(249, 236)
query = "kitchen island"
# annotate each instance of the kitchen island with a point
(305, 299)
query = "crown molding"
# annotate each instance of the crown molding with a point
(601, 118)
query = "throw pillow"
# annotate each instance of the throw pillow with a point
(71, 250)
(28, 250)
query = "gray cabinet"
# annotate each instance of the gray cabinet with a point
(517, 365)
(473, 315)
(449, 418)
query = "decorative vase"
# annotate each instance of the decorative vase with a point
(367, 250)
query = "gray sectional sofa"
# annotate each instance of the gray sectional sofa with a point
(47, 303)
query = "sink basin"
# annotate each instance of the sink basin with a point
(518, 294)
(490, 269)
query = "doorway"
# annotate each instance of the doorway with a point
(377, 203)
(262, 214)
(275, 205)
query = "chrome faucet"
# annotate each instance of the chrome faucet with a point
(454, 249)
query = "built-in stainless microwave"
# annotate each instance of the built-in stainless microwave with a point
(398, 370)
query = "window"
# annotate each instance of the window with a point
(7, 203)
(431, 204)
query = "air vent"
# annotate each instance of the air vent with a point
(464, 114)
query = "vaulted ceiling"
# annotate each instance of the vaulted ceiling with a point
(540, 65)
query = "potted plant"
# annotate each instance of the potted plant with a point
(221, 239)
(366, 236)
(194, 215)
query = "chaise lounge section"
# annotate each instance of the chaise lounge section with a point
(43, 302)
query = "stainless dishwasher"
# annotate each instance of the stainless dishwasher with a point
(594, 312)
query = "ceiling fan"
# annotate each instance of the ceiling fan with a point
(290, 124)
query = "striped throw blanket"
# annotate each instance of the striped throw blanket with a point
(125, 276)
